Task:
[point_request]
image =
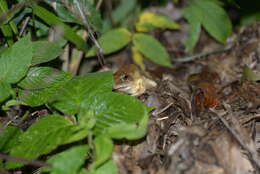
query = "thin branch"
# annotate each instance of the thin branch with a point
(83, 16)
(27, 19)
(99, 4)
(197, 56)
(36, 163)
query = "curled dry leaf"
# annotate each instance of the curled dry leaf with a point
(205, 94)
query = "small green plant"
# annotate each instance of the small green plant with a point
(101, 114)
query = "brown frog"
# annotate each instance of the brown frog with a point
(131, 80)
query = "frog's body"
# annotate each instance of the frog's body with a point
(129, 79)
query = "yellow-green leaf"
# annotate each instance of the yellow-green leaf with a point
(250, 75)
(149, 21)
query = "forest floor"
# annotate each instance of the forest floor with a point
(207, 114)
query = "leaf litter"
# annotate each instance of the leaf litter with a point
(206, 118)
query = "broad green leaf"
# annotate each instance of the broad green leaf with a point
(194, 35)
(8, 138)
(112, 110)
(51, 19)
(108, 166)
(69, 161)
(42, 137)
(40, 84)
(151, 49)
(112, 41)
(15, 61)
(129, 131)
(216, 22)
(249, 75)
(72, 94)
(44, 51)
(149, 21)
(5, 91)
(103, 151)
(195, 18)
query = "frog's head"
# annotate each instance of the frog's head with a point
(128, 79)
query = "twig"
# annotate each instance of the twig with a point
(24, 25)
(99, 4)
(83, 16)
(36, 163)
(197, 56)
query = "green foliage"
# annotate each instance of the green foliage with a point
(44, 51)
(152, 49)
(76, 91)
(100, 113)
(119, 37)
(15, 61)
(5, 91)
(52, 19)
(103, 148)
(9, 138)
(40, 84)
(43, 137)
(211, 16)
(69, 161)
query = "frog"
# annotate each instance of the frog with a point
(130, 79)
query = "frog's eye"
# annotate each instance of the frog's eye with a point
(125, 77)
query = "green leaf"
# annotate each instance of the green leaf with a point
(69, 161)
(103, 151)
(15, 61)
(40, 84)
(42, 137)
(72, 94)
(113, 110)
(51, 19)
(44, 51)
(8, 138)
(195, 18)
(211, 16)
(112, 41)
(5, 91)
(107, 166)
(152, 49)
(149, 21)
(216, 22)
